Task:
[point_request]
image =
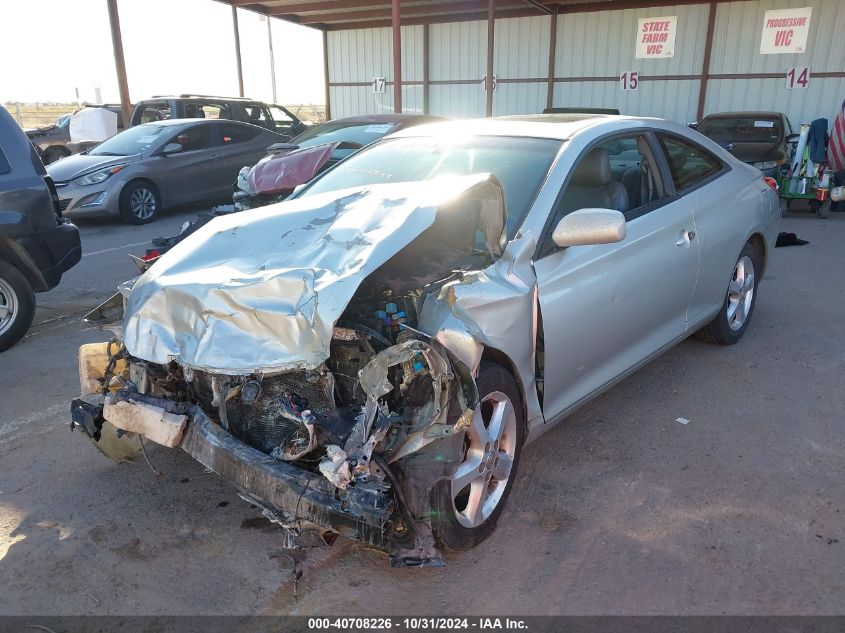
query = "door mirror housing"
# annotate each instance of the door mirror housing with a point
(171, 148)
(590, 226)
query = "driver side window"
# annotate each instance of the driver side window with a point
(194, 138)
(619, 173)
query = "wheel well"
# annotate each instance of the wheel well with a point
(493, 355)
(760, 244)
(152, 184)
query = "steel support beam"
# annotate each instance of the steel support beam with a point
(397, 56)
(328, 104)
(119, 62)
(550, 82)
(426, 82)
(238, 50)
(272, 58)
(488, 80)
(705, 66)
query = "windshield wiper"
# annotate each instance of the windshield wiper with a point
(107, 154)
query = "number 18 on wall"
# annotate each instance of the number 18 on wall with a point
(629, 80)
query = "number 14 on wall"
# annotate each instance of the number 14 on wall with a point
(629, 80)
(797, 78)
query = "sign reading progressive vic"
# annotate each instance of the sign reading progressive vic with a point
(656, 37)
(785, 31)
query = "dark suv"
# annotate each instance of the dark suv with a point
(36, 243)
(271, 116)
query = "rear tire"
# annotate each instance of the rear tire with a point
(735, 314)
(17, 305)
(485, 476)
(140, 202)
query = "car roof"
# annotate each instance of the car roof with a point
(177, 122)
(553, 126)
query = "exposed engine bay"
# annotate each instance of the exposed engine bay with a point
(371, 427)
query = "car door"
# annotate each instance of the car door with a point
(717, 198)
(183, 174)
(607, 308)
(239, 146)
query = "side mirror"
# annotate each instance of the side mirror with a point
(590, 226)
(693, 125)
(171, 148)
(792, 138)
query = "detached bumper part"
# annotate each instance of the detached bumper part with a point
(292, 493)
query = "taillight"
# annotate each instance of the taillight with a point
(771, 182)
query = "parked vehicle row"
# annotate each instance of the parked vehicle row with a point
(370, 356)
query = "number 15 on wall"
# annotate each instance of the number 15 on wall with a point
(629, 80)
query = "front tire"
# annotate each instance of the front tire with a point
(466, 508)
(140, 202)
(735, 314)
(17, 305)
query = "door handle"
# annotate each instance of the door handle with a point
(686, 238)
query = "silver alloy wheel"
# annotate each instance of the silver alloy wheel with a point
(8, 305)
(479, 483)
(741, 293)
(142, 203)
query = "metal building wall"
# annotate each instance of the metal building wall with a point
(601, 46)
(521, 64)
(457, 64)
(356, 56)
(736, 49)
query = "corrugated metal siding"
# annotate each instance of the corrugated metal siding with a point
(602, 43)
(358, 55)
(457, 51)
(736, 49)
(736, 40)
(675, 100)
(521, 51)
(822, 98)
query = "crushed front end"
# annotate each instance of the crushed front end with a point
(327, 404)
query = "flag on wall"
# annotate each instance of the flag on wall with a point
(836, 144)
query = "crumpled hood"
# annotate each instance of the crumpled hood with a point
(260, 291)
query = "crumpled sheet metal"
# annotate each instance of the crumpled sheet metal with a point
(495, 308)
(260, 291)
(287, 171)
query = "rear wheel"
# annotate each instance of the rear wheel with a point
(467, 507)
(730, 324)
(17, 305)
(139, 202)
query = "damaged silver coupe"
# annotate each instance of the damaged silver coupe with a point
(369, 357)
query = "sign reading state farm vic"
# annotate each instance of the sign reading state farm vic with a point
(656, 37)
(785, 31)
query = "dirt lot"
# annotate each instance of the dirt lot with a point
(620, 510)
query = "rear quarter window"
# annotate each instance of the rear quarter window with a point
(5, 168)
(689, 164)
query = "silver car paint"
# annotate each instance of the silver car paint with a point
(181, 178)
(606, 309)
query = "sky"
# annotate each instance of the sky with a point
(50, 48)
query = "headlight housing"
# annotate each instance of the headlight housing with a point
(96, 177)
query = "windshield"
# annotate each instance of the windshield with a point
(358, 133)
(135, 140)
(742, 129)
(520, 164)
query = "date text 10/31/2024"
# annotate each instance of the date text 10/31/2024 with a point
(417, 623)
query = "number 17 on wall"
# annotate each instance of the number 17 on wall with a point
(629, 80)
